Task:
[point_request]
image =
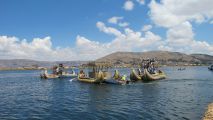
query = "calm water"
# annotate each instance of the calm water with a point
(183, 95)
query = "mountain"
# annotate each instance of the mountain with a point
(163, 57)
(15, 63)
(204, 58)
(118, 58)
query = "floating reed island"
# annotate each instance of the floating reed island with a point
(209, 113)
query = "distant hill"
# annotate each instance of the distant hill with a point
(164, 57)
(204, 58)
(15, 63)
(118, 58)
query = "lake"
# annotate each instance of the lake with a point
(184, 95)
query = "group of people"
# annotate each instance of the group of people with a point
(58, 70)
(148, 64)
(82, 74)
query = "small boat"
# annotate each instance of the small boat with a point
(134, 76)
(181, 69)
(117, 79)
(46, 75)
(152, 77)
(98, 78)
(210, 67)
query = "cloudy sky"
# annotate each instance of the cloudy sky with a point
(87, 30)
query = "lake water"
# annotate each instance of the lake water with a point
(183, 95)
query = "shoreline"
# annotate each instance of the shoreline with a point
(209, 112)
(8, 69)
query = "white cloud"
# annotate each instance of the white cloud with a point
(91, 49)
(123, 24)
(39, 49)
(147, 27)
(181, 38)
(142, 2)
(128, 5)
(180, 35)
(109, 30)
(85, 49)
(115, 19)
(177, 16)
(128, 41)
(170, 13)
(118, 20)
(211, 22)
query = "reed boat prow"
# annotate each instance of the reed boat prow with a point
(46, 75)
(134, 76)
(116, 75)
(151, 77)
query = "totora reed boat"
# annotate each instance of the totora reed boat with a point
(210, 67)
(152, 77)
(135, 76)
(117, 79)
(97, 77)
(46, 75)
(149, 71)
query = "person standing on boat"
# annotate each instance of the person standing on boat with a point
(60, 69)
(55, 72)
(139, 71)
(82, 74)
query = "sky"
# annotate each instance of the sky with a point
(86, 30)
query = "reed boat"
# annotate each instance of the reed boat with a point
(46, 75)
(98, 78)
(134, 76)
(181, 69)
(152, 77)
(88, 80)
(210, 67)
(116, 79)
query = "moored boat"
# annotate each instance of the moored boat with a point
(152, 77)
